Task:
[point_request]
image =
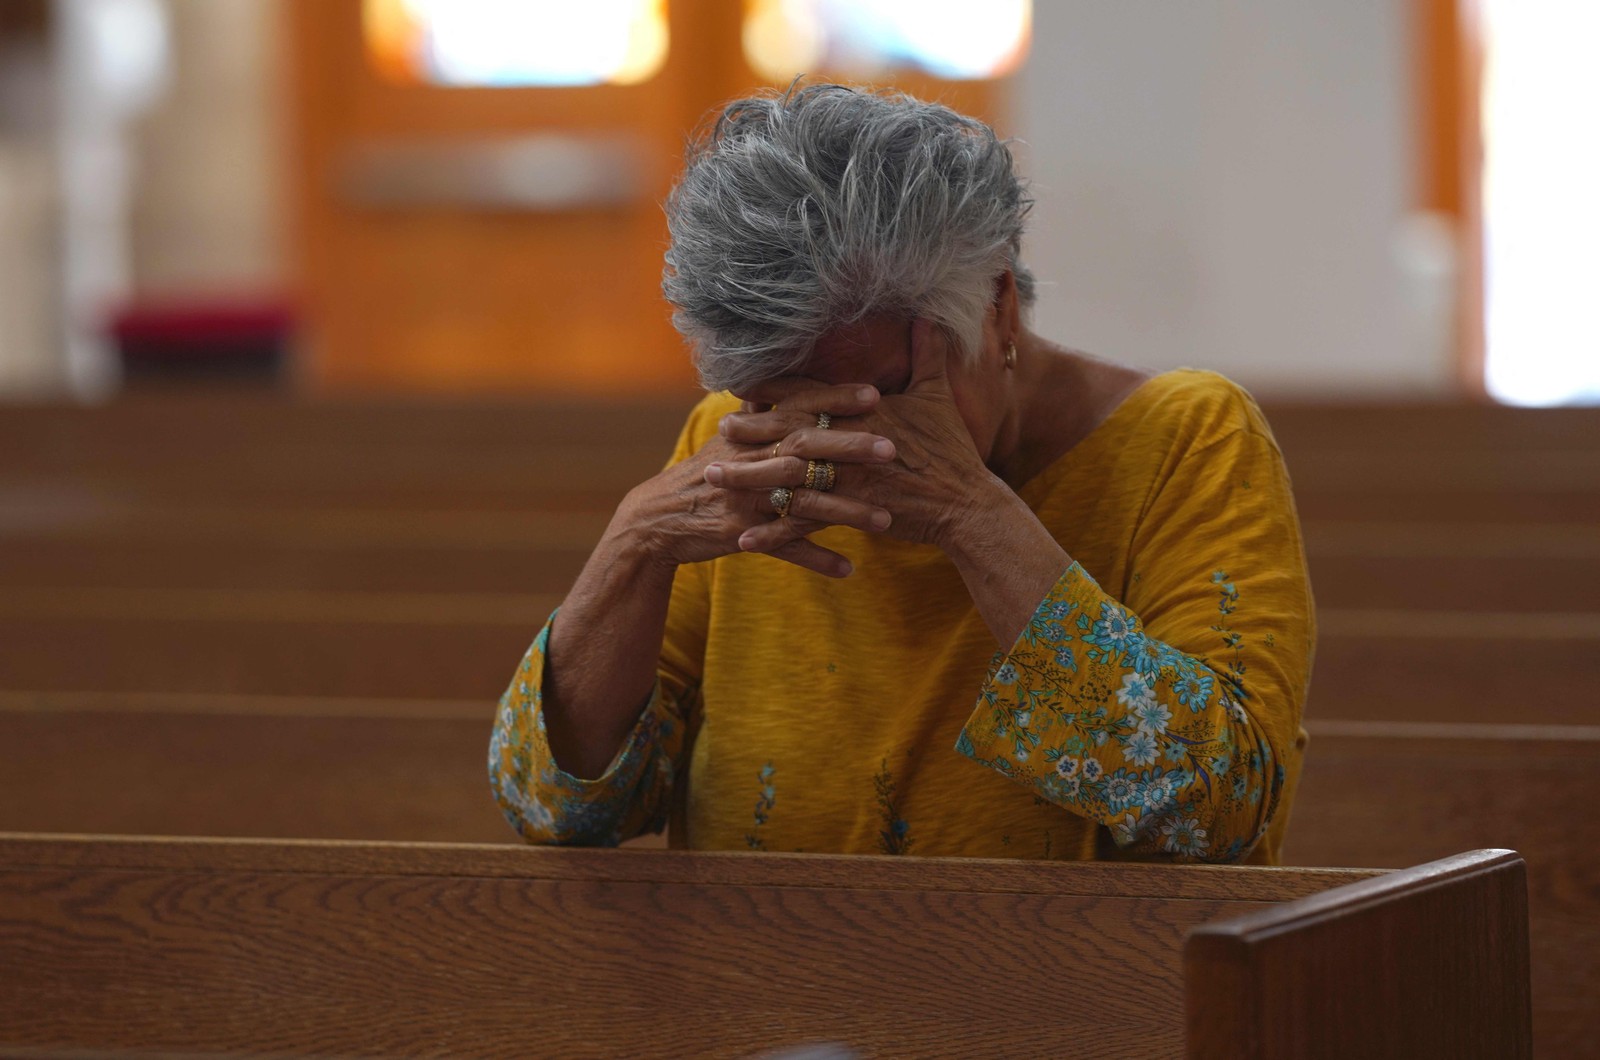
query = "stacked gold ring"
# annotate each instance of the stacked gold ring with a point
(820, 475)
(781, 498)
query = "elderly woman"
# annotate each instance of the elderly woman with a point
(916, 579)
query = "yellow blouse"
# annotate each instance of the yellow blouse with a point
(1151, 708)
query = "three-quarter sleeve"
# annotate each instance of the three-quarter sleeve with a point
(546, 804)
(1170, 716)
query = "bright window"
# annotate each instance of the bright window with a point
(1541, 201)
(954, 39)
(512, 43)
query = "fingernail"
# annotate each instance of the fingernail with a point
(883, 449)
(714, 474)
(722, 426)
(880, 520)
(845, 569)
(866, 393)
(746, 542)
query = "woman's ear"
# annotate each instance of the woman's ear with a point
(1006, 306)
(1007, 309)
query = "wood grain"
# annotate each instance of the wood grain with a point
(1394, 796)
(1374, 794)
(597, 957)
(1443, 946)
(967, 875)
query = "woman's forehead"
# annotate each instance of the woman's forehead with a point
(875, 349)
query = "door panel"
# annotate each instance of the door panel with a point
(445, 273)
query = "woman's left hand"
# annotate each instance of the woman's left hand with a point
(934, 486)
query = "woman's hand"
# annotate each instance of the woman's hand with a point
(937, 488)
(934, 481)
(685, 516)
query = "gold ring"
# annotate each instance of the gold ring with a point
(775, 446)
(820, 475)
(781, 498)
(824, 421)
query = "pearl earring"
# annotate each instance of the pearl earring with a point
(1011, 355)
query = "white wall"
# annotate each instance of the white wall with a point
(1220, 183)
(210, 188)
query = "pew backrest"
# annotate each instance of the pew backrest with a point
(252, 948)
(393, 949)
(1427, 961)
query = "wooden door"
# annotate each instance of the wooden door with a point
(420, 269)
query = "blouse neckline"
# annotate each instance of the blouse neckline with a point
(1042, 484)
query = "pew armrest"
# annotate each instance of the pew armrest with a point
(1426, 961)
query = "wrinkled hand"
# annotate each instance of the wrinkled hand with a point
(688, 515)
(934, 477)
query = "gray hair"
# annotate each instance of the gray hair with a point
(803, 211)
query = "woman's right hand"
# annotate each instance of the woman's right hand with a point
(683, 516)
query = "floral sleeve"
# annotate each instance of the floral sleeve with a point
(1168, 737)
(545, 804)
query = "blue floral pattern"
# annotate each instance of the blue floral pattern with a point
(1101, 719)
(765, 801)
(544, 803)
(895, 836)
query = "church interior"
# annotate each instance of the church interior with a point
(332, 336)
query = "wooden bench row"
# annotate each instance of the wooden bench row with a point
(138, 560)
(595, 482)
(1377, 665)
(1549, 571)
(1395, 431)
(1373, 795)
(1396, 462)
(270, 949)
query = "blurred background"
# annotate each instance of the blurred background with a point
(1323, 200)
(331, 336)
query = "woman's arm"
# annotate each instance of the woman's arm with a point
(1007, 558)
(604, 645)
(1169, 716)
(1188, 759)
(587, 737)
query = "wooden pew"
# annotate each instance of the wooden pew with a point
(1384, 794)
(1394, 794)
(1395, 428)
(248, 766)
(1337, 974)
(1371, 665)
(1381, 794)
(1382, 565)
(314, 948)
(1454, 463)
(1480, 568)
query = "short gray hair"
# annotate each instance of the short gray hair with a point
(803, 211)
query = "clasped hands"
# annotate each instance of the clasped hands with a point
(905, 464)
